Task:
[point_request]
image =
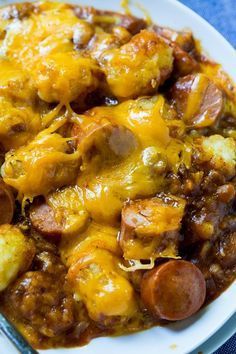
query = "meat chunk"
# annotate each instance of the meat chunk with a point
(16, 254)
(198, 100)
(174, 290)
(226, 250)
(7, 203)
(184, 63)
(40, 299)
(142, 64)
(207, 217)
(149, 227)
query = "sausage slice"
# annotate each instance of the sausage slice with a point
(7, 203)
(183, 47)
(174, 290)
(149, 227)
(197, 100)
(184, 39)
(107, 139)
(43, 219)
(129, 22)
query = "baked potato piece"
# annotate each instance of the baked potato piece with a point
(138, 67)
(149, 227)
(98, 281)
(198, 101)
(46, 163)
(58, 72)
(16, 254)
(59, 21)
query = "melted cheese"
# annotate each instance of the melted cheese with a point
(18, 124)
(137, 67)
(40, 166)
(62, 77)
(69, 210)
(15, 82)
(95, 236)
(16, 254)
(99, 274)
(132, 178)
(42, 45)
(144, 117)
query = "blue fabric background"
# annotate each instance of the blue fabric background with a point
(222, 15)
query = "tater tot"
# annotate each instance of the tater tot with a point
(99, 282)
(16, 254)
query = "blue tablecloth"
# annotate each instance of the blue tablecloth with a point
(222, 15)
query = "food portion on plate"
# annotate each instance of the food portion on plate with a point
(118, 174)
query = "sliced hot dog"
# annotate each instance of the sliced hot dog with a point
(131, 23)
(174, 290)
(7, 203)
(43, 219)
(150, 227)
(184, 39)
(105, 138)
(183, 48)
(197, 100)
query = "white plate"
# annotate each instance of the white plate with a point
(220, 337)
(185, 336)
